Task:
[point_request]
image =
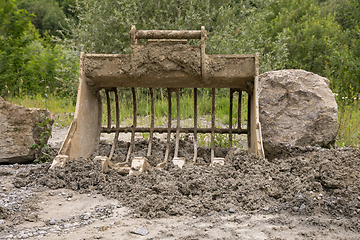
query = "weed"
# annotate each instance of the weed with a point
(63, 108)
(43, 149)
(349, 125)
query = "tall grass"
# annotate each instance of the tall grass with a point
(186, 106)
(62, 108)
(349, 124)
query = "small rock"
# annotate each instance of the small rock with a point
(118, 206)
(295, 209)
(302, 207)
(52, 221)
(266, 208)
(231, 210)
(24, 236)
(140, 231)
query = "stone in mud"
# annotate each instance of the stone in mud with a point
(19, 129)
(140, 231)
(297, 108)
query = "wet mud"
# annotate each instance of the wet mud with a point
(302, 181)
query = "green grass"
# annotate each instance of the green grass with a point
(349, 125)
(62, 108)
(161, 106)
(349, 113)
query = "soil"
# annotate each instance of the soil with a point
(303, 193)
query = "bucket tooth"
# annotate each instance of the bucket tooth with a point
(139, 165)
(106, 164)
(217, 161)
(59, 160)
(179, 161)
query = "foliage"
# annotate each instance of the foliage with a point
(349, 124)
(29, 64)
(48, 17)
(62, 107)
(286, 33)
(98, 20)
(43, 149)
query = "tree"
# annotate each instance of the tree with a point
(28, 64)
(16, 32)
(104, 26)
(48, 16)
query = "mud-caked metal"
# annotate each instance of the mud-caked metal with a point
(165, 61)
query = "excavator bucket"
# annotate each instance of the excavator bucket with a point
(166, 60)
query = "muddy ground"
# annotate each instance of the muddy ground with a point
(303, 193)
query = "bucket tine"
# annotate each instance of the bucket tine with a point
(117, 124)
(177, 123)
(212, 125)
(152, 122)
(248, 120)
(239, 109)
(167, 151)
(195, 125)
(230, 116)
(134, 124)
(169, 127)
(108, 109)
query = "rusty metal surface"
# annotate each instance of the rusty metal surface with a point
(168, 34)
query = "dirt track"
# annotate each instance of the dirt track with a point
(304, 193)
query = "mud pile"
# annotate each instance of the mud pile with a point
(303, 181)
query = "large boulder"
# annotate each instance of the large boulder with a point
(20, 129)
(297, 108)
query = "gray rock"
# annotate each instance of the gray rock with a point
(302, 207)
(231, 210)
(140, 231)
(86, 216)
(295, 209)
(19, 129)
(23, 236)
(297, 108)
(52, 221)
